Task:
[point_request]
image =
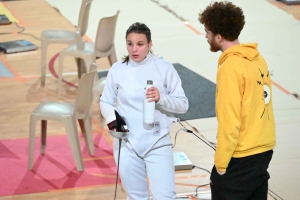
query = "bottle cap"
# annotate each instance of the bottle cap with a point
(149, 82)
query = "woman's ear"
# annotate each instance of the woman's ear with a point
(150, 44)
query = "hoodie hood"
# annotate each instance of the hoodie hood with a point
(248, 51)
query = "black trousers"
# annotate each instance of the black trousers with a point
(245, 179)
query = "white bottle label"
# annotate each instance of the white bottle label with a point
(149, 108)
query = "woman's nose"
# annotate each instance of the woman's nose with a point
(134, 48)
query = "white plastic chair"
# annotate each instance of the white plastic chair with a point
(98, 88)
(89, 51)
(67, 113)
(64, 36)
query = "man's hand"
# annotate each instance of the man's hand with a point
(221, 173)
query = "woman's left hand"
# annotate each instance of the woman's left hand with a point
(152, 94)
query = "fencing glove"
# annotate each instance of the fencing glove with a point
(118, 125)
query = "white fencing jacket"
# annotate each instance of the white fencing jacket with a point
(124, 91)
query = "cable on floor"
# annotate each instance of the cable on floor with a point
(21, 32)
(214, 148)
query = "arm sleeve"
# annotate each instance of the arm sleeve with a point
(173, 99)
(108, 99)
(228, 108)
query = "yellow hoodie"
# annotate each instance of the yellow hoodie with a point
(243, 105)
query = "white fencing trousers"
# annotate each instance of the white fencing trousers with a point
(157, 165)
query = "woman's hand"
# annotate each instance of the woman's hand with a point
(152, 94)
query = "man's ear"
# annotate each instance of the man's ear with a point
(219, 38)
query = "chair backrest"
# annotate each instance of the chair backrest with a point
(83, 18)
(106, 34)
(84, 97)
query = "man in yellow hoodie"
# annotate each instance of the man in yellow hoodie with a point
(246, 127)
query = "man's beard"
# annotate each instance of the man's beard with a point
(214, 46)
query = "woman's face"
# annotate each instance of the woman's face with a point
(137, 46)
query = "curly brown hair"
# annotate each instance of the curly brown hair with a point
(223, 18)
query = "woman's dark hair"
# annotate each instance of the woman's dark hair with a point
(223, 18)
(138, 27)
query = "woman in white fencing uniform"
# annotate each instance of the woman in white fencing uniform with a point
(147, 153)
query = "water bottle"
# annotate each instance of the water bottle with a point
(149, 107)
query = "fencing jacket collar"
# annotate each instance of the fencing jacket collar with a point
(150, 57)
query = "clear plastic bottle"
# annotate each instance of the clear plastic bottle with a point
(149, 107)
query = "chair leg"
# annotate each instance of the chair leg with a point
(60, 71)
(43, 135)
(32, 125)
(71, 128)
(44, 46)
(80, 67)
(85, 126)
(96, 96)
(88, 62)
(101, 120)
(112, 57)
